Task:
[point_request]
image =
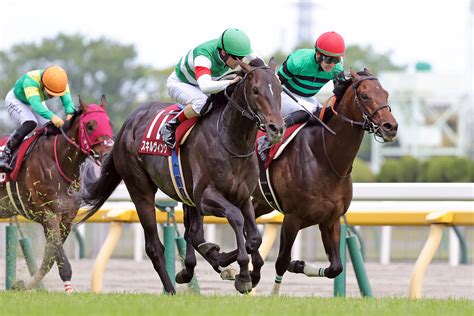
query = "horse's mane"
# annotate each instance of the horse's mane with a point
(341, 86)
(219, 98)
(52, 130)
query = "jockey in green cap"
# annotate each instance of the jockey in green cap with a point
(197, 73)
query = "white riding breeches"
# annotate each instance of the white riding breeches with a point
(288, 105)
(186, 93)
(22, 112)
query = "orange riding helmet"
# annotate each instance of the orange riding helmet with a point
(55, 81)
(330, 44)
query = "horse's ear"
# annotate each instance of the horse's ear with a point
(82, 104)
(272, 63)
(245, 67)
(354, 75)
(103, 101)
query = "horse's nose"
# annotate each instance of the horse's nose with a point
(275, 129)
(390, 127)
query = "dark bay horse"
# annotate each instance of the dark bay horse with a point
(312, 178)
(219, 168)
(47, 184)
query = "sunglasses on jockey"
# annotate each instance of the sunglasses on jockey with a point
(237, 57)
(329, 59)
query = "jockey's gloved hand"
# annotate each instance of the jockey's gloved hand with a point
(69, 116)
(57, 121)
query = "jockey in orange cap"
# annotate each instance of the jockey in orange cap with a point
(26, 104)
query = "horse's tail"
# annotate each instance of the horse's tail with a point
(96, 190)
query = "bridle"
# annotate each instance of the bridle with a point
(367, 124)
(85, 146)
(245, 111)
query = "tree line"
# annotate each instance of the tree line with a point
(105, 66)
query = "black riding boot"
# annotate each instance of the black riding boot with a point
(13, 143)
(291, 119)
(168, 131)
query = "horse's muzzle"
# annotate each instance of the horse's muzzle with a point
(275, 132)
(388, 131)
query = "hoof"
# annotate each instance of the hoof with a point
(204, 248)
(296, 266)
(183, 277)
(255, 278)
(19, 286)
(242, 285)
(228, 273)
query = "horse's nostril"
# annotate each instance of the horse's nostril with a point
(387, 126)
(272, 128)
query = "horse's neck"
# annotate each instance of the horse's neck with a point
(69, 157)
(237, 130)
(343, 147)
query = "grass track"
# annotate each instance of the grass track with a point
(44, 303)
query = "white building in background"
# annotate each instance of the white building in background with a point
(434, 112)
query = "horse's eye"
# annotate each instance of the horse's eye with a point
(255, 90)
(364, 97)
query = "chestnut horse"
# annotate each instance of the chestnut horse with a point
(48, 181)
(312, 178)
(219, 167)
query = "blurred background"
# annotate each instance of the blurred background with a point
(421, 51)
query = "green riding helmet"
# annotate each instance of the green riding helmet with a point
(235, 42)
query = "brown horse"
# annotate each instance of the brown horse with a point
(312, 178)
(219, 167)
(47, 184)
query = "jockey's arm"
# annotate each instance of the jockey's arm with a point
(202, 67)
(33, 96)
(68, 104)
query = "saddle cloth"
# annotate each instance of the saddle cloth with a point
(277, 149)
(152, 143)
(19, 156)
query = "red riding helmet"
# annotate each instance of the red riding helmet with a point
(330, 44)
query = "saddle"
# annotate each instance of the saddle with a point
(152, 143)
(20, 155)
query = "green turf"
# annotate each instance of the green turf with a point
(44, 303)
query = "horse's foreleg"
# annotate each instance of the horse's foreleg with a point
(64, 266)
(331, 236)
(289, 230)
(194, 235)
(253, 241)
(186, 274)
(213, 202)
(51, 248)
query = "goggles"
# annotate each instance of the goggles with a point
(329, 59)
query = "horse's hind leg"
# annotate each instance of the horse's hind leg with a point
(142, 192)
